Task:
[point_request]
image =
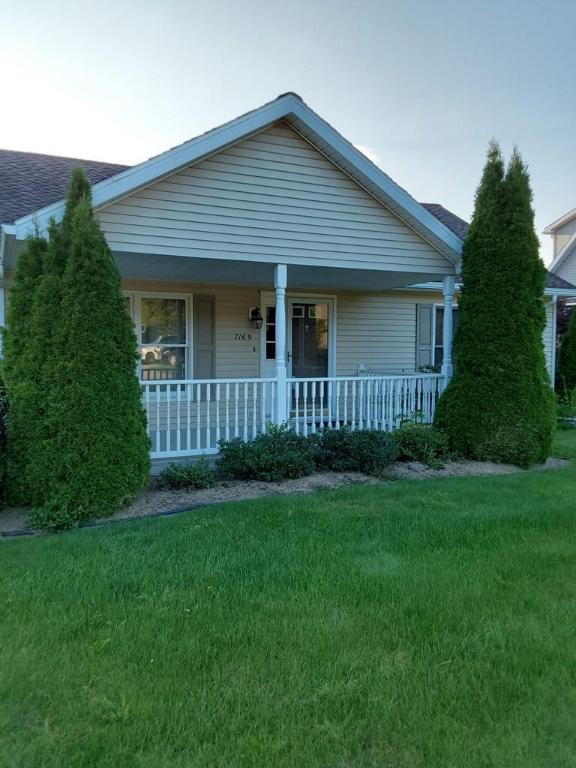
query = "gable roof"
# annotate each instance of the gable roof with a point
(291, 109)
(30, 182)
(551, 228)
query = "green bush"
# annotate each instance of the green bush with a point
(420, 442)
(93, 455)
(276, 455)
(566, 368)
(499, 405)
(186, 476)
(366, 450)
(55, 515)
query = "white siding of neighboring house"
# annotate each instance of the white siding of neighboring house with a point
(567, 269)
(562, 235)
(274, 198)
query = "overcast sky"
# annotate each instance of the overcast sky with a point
(422, 86)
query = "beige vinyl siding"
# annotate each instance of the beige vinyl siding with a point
(272, 198)
(377, 331)
(374, 330)
(235, 358)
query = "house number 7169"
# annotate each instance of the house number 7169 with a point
(242, 337)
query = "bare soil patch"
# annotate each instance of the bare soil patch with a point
(157, 502)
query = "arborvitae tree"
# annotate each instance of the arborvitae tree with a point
(21, 370)
(566, 367)
(498, 405)
(45, 311)
(96, 448)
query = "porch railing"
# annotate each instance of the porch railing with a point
(189, 417)
(362, 402)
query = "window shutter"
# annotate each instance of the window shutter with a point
(424, 351)
(204, 337)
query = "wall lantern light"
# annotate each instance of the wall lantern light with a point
(256, 318)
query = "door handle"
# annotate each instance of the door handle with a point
(288, 356)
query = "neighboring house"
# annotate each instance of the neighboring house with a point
(563, 232)
(273, 273)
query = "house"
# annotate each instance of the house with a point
(274, 274)
(563, 232)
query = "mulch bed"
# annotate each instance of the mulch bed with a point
(154, 502)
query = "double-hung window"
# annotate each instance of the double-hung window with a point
(163, 339)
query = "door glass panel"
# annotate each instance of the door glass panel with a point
(270, 333)
(310, 340)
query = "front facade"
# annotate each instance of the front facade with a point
(274, 274)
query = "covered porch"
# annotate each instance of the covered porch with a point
(295, 361)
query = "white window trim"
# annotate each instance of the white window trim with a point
(135, 313)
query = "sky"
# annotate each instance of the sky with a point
(420, 86)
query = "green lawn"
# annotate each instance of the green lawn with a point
(423, 624)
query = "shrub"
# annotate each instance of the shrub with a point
(566, 369)
(499, 405)
(94, 453)
(366, 450)
(21, 368)
(186, 476)
(566, 408)
(55, 515)
(276, 455)
(420, 442)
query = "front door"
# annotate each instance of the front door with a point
(308, 343)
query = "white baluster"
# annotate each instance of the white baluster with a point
(313, 407)
(217, 404)
(236, 423)
(178, 398)
(227, 412)
(245, 425)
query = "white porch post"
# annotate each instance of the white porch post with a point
(280, 281)
(448, 293)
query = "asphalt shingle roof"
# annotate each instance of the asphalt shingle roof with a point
(29, 181)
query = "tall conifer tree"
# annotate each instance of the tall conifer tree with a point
(21, 370)
(498, 405)
(96, 450)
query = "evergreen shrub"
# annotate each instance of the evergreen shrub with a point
(499, 405)
(186, 476)
(276, 455)
(421, 442)
(365, 450)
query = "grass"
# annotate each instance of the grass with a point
(418, 624)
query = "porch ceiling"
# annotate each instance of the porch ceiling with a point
(259, 274)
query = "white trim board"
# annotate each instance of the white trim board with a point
(563, 253)
(550, 229)
(309, 125)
